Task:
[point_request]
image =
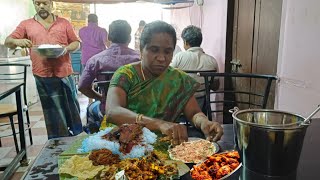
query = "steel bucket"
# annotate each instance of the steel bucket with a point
(269, 141)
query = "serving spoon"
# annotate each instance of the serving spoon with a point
(307, 120)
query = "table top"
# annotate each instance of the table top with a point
(14, 59)
(46, 164)
(8, 88)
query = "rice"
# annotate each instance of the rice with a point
(44, 46)
(95, 142)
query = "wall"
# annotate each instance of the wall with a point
(212, 18)
(299, 57)
(138, 11)
(11, 13)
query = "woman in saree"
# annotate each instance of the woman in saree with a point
(153, 94)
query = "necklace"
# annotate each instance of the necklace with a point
(144, 78)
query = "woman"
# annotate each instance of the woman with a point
(153, 94)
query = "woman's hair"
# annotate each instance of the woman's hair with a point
(156, 27)
(192, 35)
(119, 32)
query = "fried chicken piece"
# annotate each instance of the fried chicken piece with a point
(233, 154)
(224, 170)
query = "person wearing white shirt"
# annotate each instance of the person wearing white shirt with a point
(195, 59)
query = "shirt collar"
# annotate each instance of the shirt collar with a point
(193, 49)
(92, 24)
(118, 45)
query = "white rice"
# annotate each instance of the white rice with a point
(95, 142)
(45, 46)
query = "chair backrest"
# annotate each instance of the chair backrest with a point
(14, 73)
(102, 85)
(201, 92)
(250, 97)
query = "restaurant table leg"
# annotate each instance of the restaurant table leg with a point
(24, 161)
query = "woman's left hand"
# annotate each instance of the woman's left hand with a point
(212, 130)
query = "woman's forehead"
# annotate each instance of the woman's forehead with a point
(161, 38)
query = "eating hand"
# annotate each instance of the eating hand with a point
(23, 43)
(212, 130)
(177, 132)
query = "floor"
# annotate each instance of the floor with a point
(39, 134)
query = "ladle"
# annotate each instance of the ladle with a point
(307, 120)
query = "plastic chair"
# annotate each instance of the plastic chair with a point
(14, 73)
(250, 96)
(76, 65)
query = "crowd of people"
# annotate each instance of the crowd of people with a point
(146, 88)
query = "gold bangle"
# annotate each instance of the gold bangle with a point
(139, 118)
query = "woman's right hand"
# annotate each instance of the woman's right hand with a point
(177, 132)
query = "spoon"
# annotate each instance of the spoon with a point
(307, 120)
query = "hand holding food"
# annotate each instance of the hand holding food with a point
(177, 132)
(212, 130)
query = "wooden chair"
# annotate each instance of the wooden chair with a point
(238, 94)
(13, 73)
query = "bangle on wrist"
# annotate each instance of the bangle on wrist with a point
(139, 118)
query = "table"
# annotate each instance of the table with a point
(5, 91)
(46, 164)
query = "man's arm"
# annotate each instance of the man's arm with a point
(74, 42)
(85, 83)
(174, 62)
(13, 43)
(75, 45)
(90, 93)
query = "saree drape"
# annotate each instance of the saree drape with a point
(162, 97)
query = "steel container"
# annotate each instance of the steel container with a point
(269, 141)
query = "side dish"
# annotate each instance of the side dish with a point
(192, 151)
(216, 166)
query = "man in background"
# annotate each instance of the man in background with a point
(138, 34)
(195, 59)
(54, 79)
(94, 39)
(111, 59)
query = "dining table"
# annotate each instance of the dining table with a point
(7, 89)
(45, 165)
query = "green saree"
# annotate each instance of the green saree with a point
(162, 97)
